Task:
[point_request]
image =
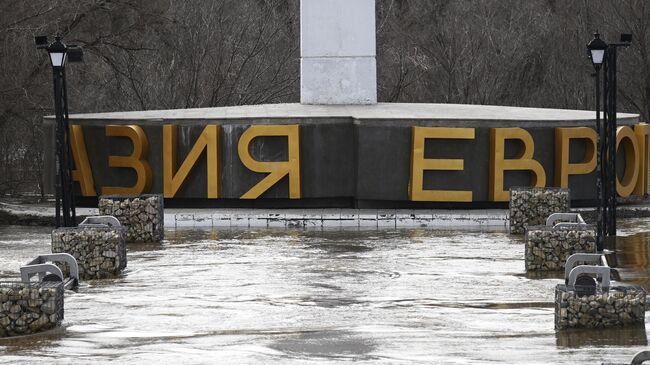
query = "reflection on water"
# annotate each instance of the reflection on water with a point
(266, 296)
(328, 344)
(624, 336)
(631, 258)
(537, 275)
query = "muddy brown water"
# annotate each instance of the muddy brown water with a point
(322, 296)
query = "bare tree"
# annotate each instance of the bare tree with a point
(161, 54)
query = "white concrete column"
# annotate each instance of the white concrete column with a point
(338, 50)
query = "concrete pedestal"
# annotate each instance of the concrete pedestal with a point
(351, 156)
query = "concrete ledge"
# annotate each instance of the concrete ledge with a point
(473, 115)
(336, 218)
(494, 219)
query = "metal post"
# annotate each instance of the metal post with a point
(604, 149)
(612, 142)
(61, 153)
(57, 157)
(603, 54)
(68, 154)
(599, 179)
(64, 193)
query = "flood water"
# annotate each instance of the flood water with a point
(321, 296)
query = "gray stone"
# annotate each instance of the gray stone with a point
(48, 308)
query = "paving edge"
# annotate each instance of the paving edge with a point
(492, 219)
(338, 218)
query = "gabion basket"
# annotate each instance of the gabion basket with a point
(547, 248)
(30, 308)
(622, 305)
(142, 216)
(100, 251)
(531, 206)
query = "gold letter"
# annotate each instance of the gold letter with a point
(524, 160)
(628, 184)
(563, 168)
(136, 161)
(419, 164)
(277, 170)
(208, 140)
(82, 172)
(642, 133)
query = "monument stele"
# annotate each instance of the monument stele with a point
(339, 147)
(337, 52)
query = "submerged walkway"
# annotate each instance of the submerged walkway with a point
(322, 296)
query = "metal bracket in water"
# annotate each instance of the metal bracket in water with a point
(41, 266)
(565, 220)
(602, 271)
(26, 272)
(100, 221)
(640, 358)
(591, 258)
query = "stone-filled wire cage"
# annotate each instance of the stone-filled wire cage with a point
(100, 251)
(547, 248)
(531, 206)
(142, 216)
(619, 306)
(27, 308)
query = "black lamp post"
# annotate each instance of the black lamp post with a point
(596, 49)
(59, 54)
(604, 55)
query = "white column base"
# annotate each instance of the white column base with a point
(338, 80)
